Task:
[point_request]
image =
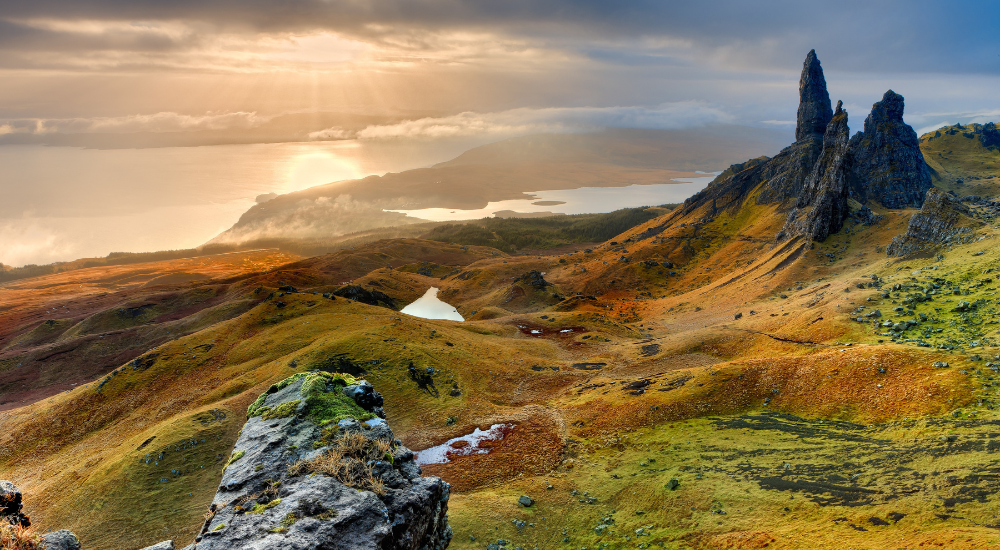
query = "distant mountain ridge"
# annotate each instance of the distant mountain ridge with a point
(501, 171)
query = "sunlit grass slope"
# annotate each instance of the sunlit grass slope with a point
(731, 399)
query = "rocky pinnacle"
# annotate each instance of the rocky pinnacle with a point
(815, 111)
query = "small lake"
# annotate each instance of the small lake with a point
(585, 200)
(429, 306)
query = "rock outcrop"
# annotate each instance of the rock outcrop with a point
(822, 205)
(888, 167)
(941, 220)
(814, 178)
(60, 540)
(814, 101)
(315, 467)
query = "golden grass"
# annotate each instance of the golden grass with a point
(18, 537)
(350, 459)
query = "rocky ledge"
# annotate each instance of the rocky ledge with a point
(942, 220)
(316, 466)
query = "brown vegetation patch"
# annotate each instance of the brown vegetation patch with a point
(743, 540)
(534, 447)
(662, 365)
(539, 388)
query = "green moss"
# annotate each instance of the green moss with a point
(325, 407)
(254, 409)
(236, 456)
(261, 508)
(219, 527)
(282, 411)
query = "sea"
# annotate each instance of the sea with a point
(64, 203)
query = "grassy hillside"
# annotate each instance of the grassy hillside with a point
(514, 234)
(965, 158)
(684, 384)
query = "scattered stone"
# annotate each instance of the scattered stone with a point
(525, 501)
(60, 540)
(940, 364)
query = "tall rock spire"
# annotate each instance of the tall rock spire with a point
(888, 165)
(815, 111)
(822, 203)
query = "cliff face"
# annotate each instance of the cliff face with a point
(315, 467)
(888, 166)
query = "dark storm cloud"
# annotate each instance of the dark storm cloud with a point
(911, 36)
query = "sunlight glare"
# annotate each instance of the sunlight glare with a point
(318, 168)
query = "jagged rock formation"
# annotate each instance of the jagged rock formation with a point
(814, 101)
(315, 467)
(816, 176)
(888, 166)
(939, 222)
(822, 206)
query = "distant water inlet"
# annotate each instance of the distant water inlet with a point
(429, 306)
(479, 442)
(584, 200)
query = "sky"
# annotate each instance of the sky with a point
(339, 89)
(481, 67)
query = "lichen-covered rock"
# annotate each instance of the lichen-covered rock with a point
(888, 166)
(814, 112)
(11, 505)
(941, 219)
(822, 205)
(324, 472)
(60, 540)
(165, 545)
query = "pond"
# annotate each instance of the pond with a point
(429, 306)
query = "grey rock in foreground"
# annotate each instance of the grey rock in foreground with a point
(60, 540)
(261, 505)
(165, 545)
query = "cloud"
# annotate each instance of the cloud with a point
(157, 122)
(522, 121)
(892, 35)
(335, 132)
